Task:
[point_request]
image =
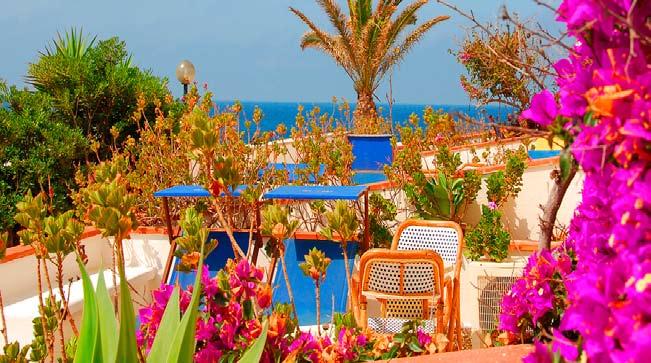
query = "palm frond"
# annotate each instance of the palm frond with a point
(338, 19)
(364, 12)
(311, 40)
(323, 43)
(327, 43)
(397, 53)
(406, 17)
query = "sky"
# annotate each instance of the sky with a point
(244, 49)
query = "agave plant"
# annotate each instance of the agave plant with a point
(101, 340)
(367, 43)
(343, 227)
(443, 197)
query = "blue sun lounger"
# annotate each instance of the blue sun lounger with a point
(334, 290)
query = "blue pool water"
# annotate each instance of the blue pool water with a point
(368, 177)
(334, 290)
(543, 154)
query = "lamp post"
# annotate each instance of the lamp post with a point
(185, 74)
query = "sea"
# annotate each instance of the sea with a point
(275, 113)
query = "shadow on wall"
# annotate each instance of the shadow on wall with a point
(514, 225)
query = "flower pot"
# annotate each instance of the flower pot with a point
(371, 152)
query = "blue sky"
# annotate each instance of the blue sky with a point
(243, 49)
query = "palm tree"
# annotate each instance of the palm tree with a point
(367, 43)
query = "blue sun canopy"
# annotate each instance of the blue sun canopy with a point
(317, 192)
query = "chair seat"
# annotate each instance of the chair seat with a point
(394, 325)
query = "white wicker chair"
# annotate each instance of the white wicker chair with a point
(407, 284)
(446, 239)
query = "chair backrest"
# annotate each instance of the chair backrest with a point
(442, 237)
(405, 282)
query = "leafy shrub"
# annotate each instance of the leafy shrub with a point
(320, 140)
(488, 238)
(94, 86)
(381, 212)
(504, 185)
(407, 160)
(37, 153)
(488, 60)
(86, 95)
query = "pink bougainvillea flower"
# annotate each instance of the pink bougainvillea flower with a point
(540, 354)
(543, 110)
(564, 346)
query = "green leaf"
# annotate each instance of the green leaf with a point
(127, 346)
(415, 347)
(247, 308)
(88, 346)
(254, 353)
(183, 344)
(108, 326)
(566, 164)
(168, 327)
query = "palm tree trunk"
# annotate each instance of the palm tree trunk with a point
(365, 114)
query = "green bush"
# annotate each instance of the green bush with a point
(488, 238)
(89, 97)
(382, 212)
(95, 86)
(36, 152)
(502, 185)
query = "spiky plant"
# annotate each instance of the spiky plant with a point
(72, 44)
(367, 44)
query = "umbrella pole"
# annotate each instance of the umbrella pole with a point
(258, 237)
(170, 234)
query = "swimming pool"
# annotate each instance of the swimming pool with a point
(362, 177)
(543, 154)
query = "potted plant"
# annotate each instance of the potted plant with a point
(368, 49)
(488, 240)
(447, 195)
(371, 152)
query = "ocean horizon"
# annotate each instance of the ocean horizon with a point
(275, 113)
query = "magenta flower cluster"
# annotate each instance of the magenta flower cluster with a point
(604, 101)
(536, 301)
(228, 322)
(236, 302)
